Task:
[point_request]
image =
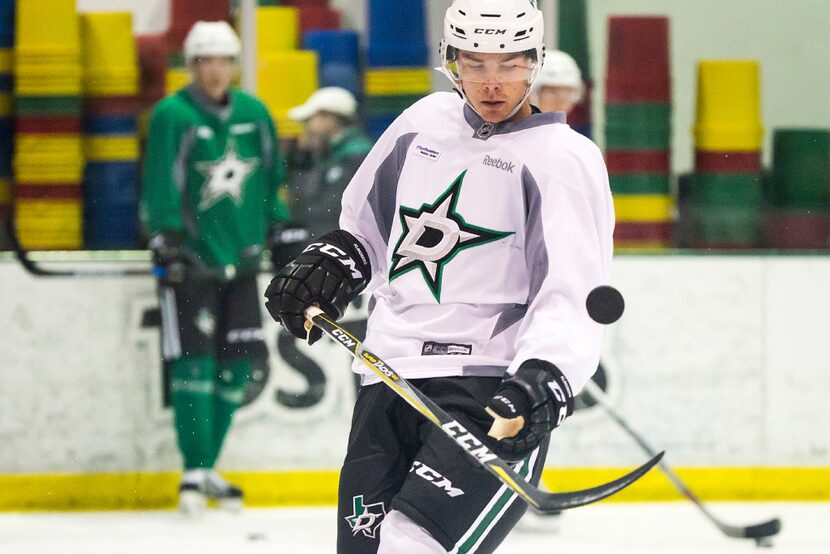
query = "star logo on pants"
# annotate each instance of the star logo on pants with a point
(433, 235)
(366, 518)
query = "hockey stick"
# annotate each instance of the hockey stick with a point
(542, 501)
(197, 268)
(760, 532)
(36, 269)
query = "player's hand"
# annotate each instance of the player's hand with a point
(535, 400)
(171, 257)
(329, 273)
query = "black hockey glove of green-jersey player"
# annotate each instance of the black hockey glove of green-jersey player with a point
(540, 393)
(173, 261)
(286, 240)
(329, 273)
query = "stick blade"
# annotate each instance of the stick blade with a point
(757, 531)
(553, 502)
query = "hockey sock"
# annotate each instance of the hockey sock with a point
(191, 393)
(195, 477)
(232, 378)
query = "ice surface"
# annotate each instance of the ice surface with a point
(666, 528)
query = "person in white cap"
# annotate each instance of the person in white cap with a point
(559, 87)
(326, 156)
(212, 173)
(479, 225)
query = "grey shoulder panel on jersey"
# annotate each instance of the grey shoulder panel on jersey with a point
(384, 190)
(536, 254)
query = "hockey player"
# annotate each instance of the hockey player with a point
(211, 176)
(559, 87)
(482, 226)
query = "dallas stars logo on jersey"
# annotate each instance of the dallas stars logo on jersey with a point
(225, 176)
(433, 235)
(366, 518)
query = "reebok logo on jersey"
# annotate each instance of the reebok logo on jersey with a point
(242, 128)
(498, 163)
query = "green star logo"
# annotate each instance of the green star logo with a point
(225, 177)
(433, 235)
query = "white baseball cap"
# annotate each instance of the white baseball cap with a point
(334, 100)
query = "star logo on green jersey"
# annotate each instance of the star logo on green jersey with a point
(225, 177)
(433, 235)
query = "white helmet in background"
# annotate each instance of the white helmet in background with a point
(560, 70)
(492, 27)
(211, 38)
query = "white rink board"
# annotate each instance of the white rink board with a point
(720, 360)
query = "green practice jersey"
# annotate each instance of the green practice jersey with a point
(213, 174)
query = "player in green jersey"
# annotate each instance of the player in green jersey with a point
(210, 197)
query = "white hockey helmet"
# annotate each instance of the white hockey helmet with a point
(211, 38)
(493, 27)
(560, 70)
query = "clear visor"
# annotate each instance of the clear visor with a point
(500, 68)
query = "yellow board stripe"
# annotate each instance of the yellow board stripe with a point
(652, 208)
(139, 491)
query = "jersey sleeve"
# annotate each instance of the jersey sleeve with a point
(276, 201)
(369, 201)
(163, 180)
(568, 249)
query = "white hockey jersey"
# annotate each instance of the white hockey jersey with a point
(484, 242)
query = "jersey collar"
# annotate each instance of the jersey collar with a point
(222, 113)
(483, 130)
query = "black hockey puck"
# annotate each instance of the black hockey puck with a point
(605, 304)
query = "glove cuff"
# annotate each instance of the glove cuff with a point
(350, 255)
(542, 381)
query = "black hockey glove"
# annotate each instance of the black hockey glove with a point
(540, 393)
(330, 273)
(286, 241)
(173, 261)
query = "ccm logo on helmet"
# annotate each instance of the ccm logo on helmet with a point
(490, 31)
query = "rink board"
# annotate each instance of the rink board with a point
(142, 491)
(719, 360)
